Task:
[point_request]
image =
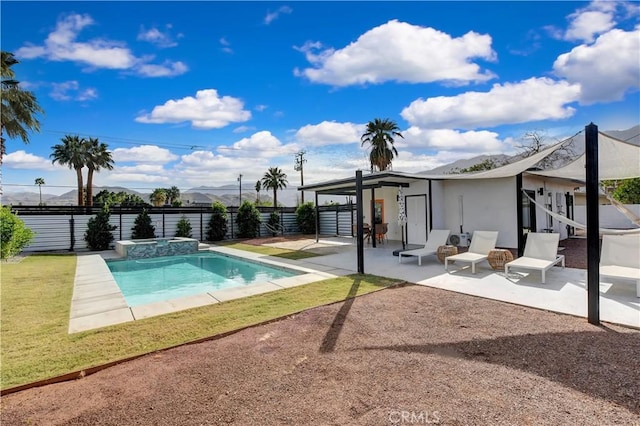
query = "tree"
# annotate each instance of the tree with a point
(217, 227)
(173, 196)
(183, 227)
(40, 181)
(379, 135)
(124, 199)
(98, 234)
(158, 197)
(96, 157)
(274, 223)
(306, 218)
(628, 191)
(258, 188)
(14, 235)
(486, 164)
(248, 220)
(19, 107)
(142, 227)
(274, 179)
(71, 153)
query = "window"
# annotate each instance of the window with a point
(379, 211)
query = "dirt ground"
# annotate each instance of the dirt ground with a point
(408, 355)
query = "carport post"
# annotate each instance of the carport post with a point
(317, 219)
(519, 218)
(593, 224)
(373, 217)
(359, 224)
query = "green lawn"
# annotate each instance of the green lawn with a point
(36, 298)
(269, 251)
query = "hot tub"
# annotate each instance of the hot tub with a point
(156, 247)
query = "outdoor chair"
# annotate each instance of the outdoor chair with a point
(620, 258)
(482, 242)
(436, 238)
(381, 231)
(540, 254)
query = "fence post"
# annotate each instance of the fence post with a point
(163, 234)
(72, 232)
(201, 230)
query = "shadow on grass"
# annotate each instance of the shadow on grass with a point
(331, 338)
(600, 364)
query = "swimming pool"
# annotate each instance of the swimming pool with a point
(157, 279)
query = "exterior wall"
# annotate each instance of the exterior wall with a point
(488, 205)
(554, 195)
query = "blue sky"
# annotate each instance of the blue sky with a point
(196, 93)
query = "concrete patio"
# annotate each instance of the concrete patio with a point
(565, 290)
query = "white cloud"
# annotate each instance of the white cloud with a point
(529, 100)
(329, 133)
(586, 23)
(260, 108)
(607, 69)
(205, 111)
(62, 45)
(138, 177)
(226, 46)
(23, 160)
(402, 52)
(272, 16)
(242, 129)
(70, 90)
(144, 154)
(482, 141)
(260, 144)
(167, 69)
(141, 168)
(157, 37)
(207, 161)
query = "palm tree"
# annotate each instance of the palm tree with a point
(379, 134)
(158, 197)
(97, 157)
(71, 152)
(40, 182)
(19, 107)
(258, 188)
(173, 195)
(274, 179)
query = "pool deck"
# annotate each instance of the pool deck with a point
(98, 302)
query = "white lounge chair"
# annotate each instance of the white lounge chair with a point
(620, 258)
(540, 254)
(436, 238)
(482, 242)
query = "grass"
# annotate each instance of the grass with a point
(36, 298)
(270, 251)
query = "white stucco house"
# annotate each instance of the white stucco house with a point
(492, 200)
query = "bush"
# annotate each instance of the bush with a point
(142, 227)
(98, 234)
(248, 220)
(217, 227)
(184, 227)
(14, 235)
(628, 192)
(274, 222)
(306, 218)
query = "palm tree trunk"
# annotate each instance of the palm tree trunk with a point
(275, 199)
(90, 187)
(80, 187)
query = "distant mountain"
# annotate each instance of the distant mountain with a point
(467, 162)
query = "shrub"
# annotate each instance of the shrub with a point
(248, 220)
(142, 227)
(217, 227)
(98, 234)
(14, 235)
(274, 222)
(306, 218)
(184, 227)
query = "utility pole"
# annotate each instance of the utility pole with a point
(300, 160)
(240, 190)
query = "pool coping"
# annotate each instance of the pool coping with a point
(98, 302)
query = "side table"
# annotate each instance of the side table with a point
(444, 251)
(498, 257)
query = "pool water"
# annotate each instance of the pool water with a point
(157, 279)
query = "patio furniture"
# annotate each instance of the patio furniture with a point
(381, 231)
(365, 228)
(446, 251)
(482, 242)
(498, 257)
(620, 258)
(435, 239)
(540, 254)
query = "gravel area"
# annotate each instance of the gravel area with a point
(408, 355)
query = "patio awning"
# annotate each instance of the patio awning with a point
(347, 186)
